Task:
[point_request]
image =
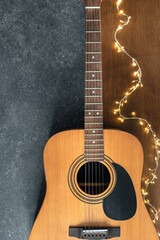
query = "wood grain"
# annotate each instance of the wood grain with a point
(62, 209)
(141, 39)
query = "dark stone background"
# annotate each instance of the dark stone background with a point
(41, 93)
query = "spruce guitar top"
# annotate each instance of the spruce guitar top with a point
(93, 176)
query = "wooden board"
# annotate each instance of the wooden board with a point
(141, 39)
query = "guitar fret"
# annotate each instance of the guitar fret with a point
(95, 158)
(92, 31)
(93, 62)
(96, 149)
(93, 20)
(94, 117)
(93, 96)
(93, 80)
(93, 71)
(94, 88)
(93, 103)
(93, 123)
(91, 52)
(94, 110)
(91, 134)
(94, 129)
(94, 153)
(92, 7)
(92, 144)
(90, 139)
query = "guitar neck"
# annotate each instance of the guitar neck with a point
(94, 149)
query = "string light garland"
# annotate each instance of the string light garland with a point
(136, 83)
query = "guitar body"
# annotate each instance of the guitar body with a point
(62, 208)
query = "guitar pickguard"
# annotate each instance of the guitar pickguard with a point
(121, 204)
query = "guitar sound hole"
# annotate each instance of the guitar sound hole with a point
(93, 178)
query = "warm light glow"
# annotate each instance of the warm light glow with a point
(146, 130)
(134, 64)
(121, 119)
(119, 2)
(115, 111)
(121, 12)
(135, 74)
(143, 122)
(115, 45)
(140, 122)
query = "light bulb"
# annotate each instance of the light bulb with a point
(140, 122)
(134, 64)
(121, 12)
(146, 130)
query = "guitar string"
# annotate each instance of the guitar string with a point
(101, 162)
(92, 69)
(84, 132)
(103, 186)
(93, 66)
(100, 76)
(89, 188)
(86, 162)
(95, 85)
(96, 50)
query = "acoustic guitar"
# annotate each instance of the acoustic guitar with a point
(93, 176)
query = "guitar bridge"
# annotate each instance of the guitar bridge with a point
(96, 233)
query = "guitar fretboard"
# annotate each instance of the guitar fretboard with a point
(94, 149)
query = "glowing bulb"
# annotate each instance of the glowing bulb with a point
(121, 119)
(146, 130)
(135, 81)
(134, 64)
(154, 176)
(119, 27)
(121, 12)
(158, 142)
(141, 122)
(115, 111)
(133, 113)
(116, 45)
(127, 93)
(135, 74)
(144, 192)
(119, 2)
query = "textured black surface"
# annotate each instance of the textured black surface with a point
(121, 204)
(41, 93)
